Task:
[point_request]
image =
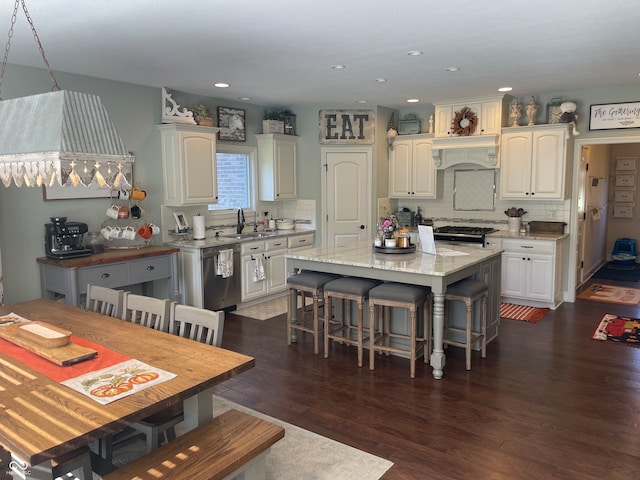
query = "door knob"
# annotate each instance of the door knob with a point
(362, 227)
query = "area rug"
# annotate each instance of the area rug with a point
(610, 272)
(512, 311)
(617, 329)
(269, 309)
(611, 294)
(300, 455)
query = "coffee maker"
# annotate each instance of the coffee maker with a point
(64, 239)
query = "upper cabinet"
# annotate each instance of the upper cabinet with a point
(277, 166)
(189, 164)
(534, 162)
(411, 168)
(489, 114)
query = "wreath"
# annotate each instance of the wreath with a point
(464, 122)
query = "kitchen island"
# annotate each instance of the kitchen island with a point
(435, 271)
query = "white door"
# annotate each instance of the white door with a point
(347, 204)
(581, 209)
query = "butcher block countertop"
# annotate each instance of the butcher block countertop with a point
(109, 256)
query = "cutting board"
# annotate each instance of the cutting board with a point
(64, 356)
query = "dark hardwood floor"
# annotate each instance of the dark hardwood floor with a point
(547, 402)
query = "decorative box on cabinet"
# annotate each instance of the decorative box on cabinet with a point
(412, 173)
(534, 162)
(277, 166)
(189, 164)
(492, 113)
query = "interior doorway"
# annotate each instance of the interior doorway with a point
(347, 202)
(577, 240)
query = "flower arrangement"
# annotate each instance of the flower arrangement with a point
(388, 224)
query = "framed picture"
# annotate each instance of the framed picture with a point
(611, 116)
(622, 211)
(181, 222)
(626, 180)
(626, 163)
(231, 123)
(624, 196)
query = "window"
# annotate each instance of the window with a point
(236, 184)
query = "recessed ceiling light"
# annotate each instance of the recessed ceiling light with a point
(380, 80)
(452, 69)
(221, 85)
(505, 89)
(361, 101)
(245, 99)
(338, 67)
(413, 100)
(414, 53)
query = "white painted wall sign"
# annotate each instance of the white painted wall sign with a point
(615, 115)
(341, 127)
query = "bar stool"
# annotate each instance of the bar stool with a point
(468, 291)
(397, 295)
(307, 283)
(341, 328)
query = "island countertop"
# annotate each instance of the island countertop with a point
(416, 268)
(363, 255)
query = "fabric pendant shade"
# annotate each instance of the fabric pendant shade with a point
(61, 137)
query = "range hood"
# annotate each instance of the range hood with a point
(61, 137)
(480, 150)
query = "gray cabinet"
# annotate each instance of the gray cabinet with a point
(68, 279)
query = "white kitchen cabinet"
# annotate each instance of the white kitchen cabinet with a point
(189, 164)
(412, 173)
(277, 166)
(272, 253)
(532, 271)
(492, 113)
(534, 162)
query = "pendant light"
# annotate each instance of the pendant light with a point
(59, 137)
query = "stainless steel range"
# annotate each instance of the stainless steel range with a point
(462, 234)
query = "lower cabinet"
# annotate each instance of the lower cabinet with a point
(532, 270)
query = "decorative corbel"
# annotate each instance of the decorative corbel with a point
(170, 112)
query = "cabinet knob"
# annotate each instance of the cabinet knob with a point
(150, 267)
(105, 275)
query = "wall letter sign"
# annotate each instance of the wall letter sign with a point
(347, 126)
(615, 115)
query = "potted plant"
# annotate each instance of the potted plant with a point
(201, 115)
(274, 119)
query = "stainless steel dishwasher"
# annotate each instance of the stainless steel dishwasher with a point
(220, 292)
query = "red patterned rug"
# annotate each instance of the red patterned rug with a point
(512, 311)
(618, 329)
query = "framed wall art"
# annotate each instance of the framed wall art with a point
(231, 122)
(611, 116)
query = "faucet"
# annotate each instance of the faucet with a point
(240, 221)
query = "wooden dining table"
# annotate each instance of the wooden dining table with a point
(41, 419)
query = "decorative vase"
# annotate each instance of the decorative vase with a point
(515, 112)
(532, 111)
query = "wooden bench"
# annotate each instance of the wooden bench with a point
(226, 446)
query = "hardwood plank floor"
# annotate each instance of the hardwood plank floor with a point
(547, 402)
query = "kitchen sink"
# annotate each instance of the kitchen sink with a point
(243, 236)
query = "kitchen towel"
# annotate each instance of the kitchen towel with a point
(258, 269)
(198, 227)
(224, 265)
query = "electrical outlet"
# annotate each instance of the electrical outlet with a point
(550, 215)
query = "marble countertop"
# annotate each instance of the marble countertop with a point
(231, 239)
(363, 255)
(528, 236)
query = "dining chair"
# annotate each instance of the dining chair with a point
(146, 311)
(194, 323)
(104, 300)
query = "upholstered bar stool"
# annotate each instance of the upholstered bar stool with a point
(340, 328)
(303, 284)
(414, 299)
(468, 291)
